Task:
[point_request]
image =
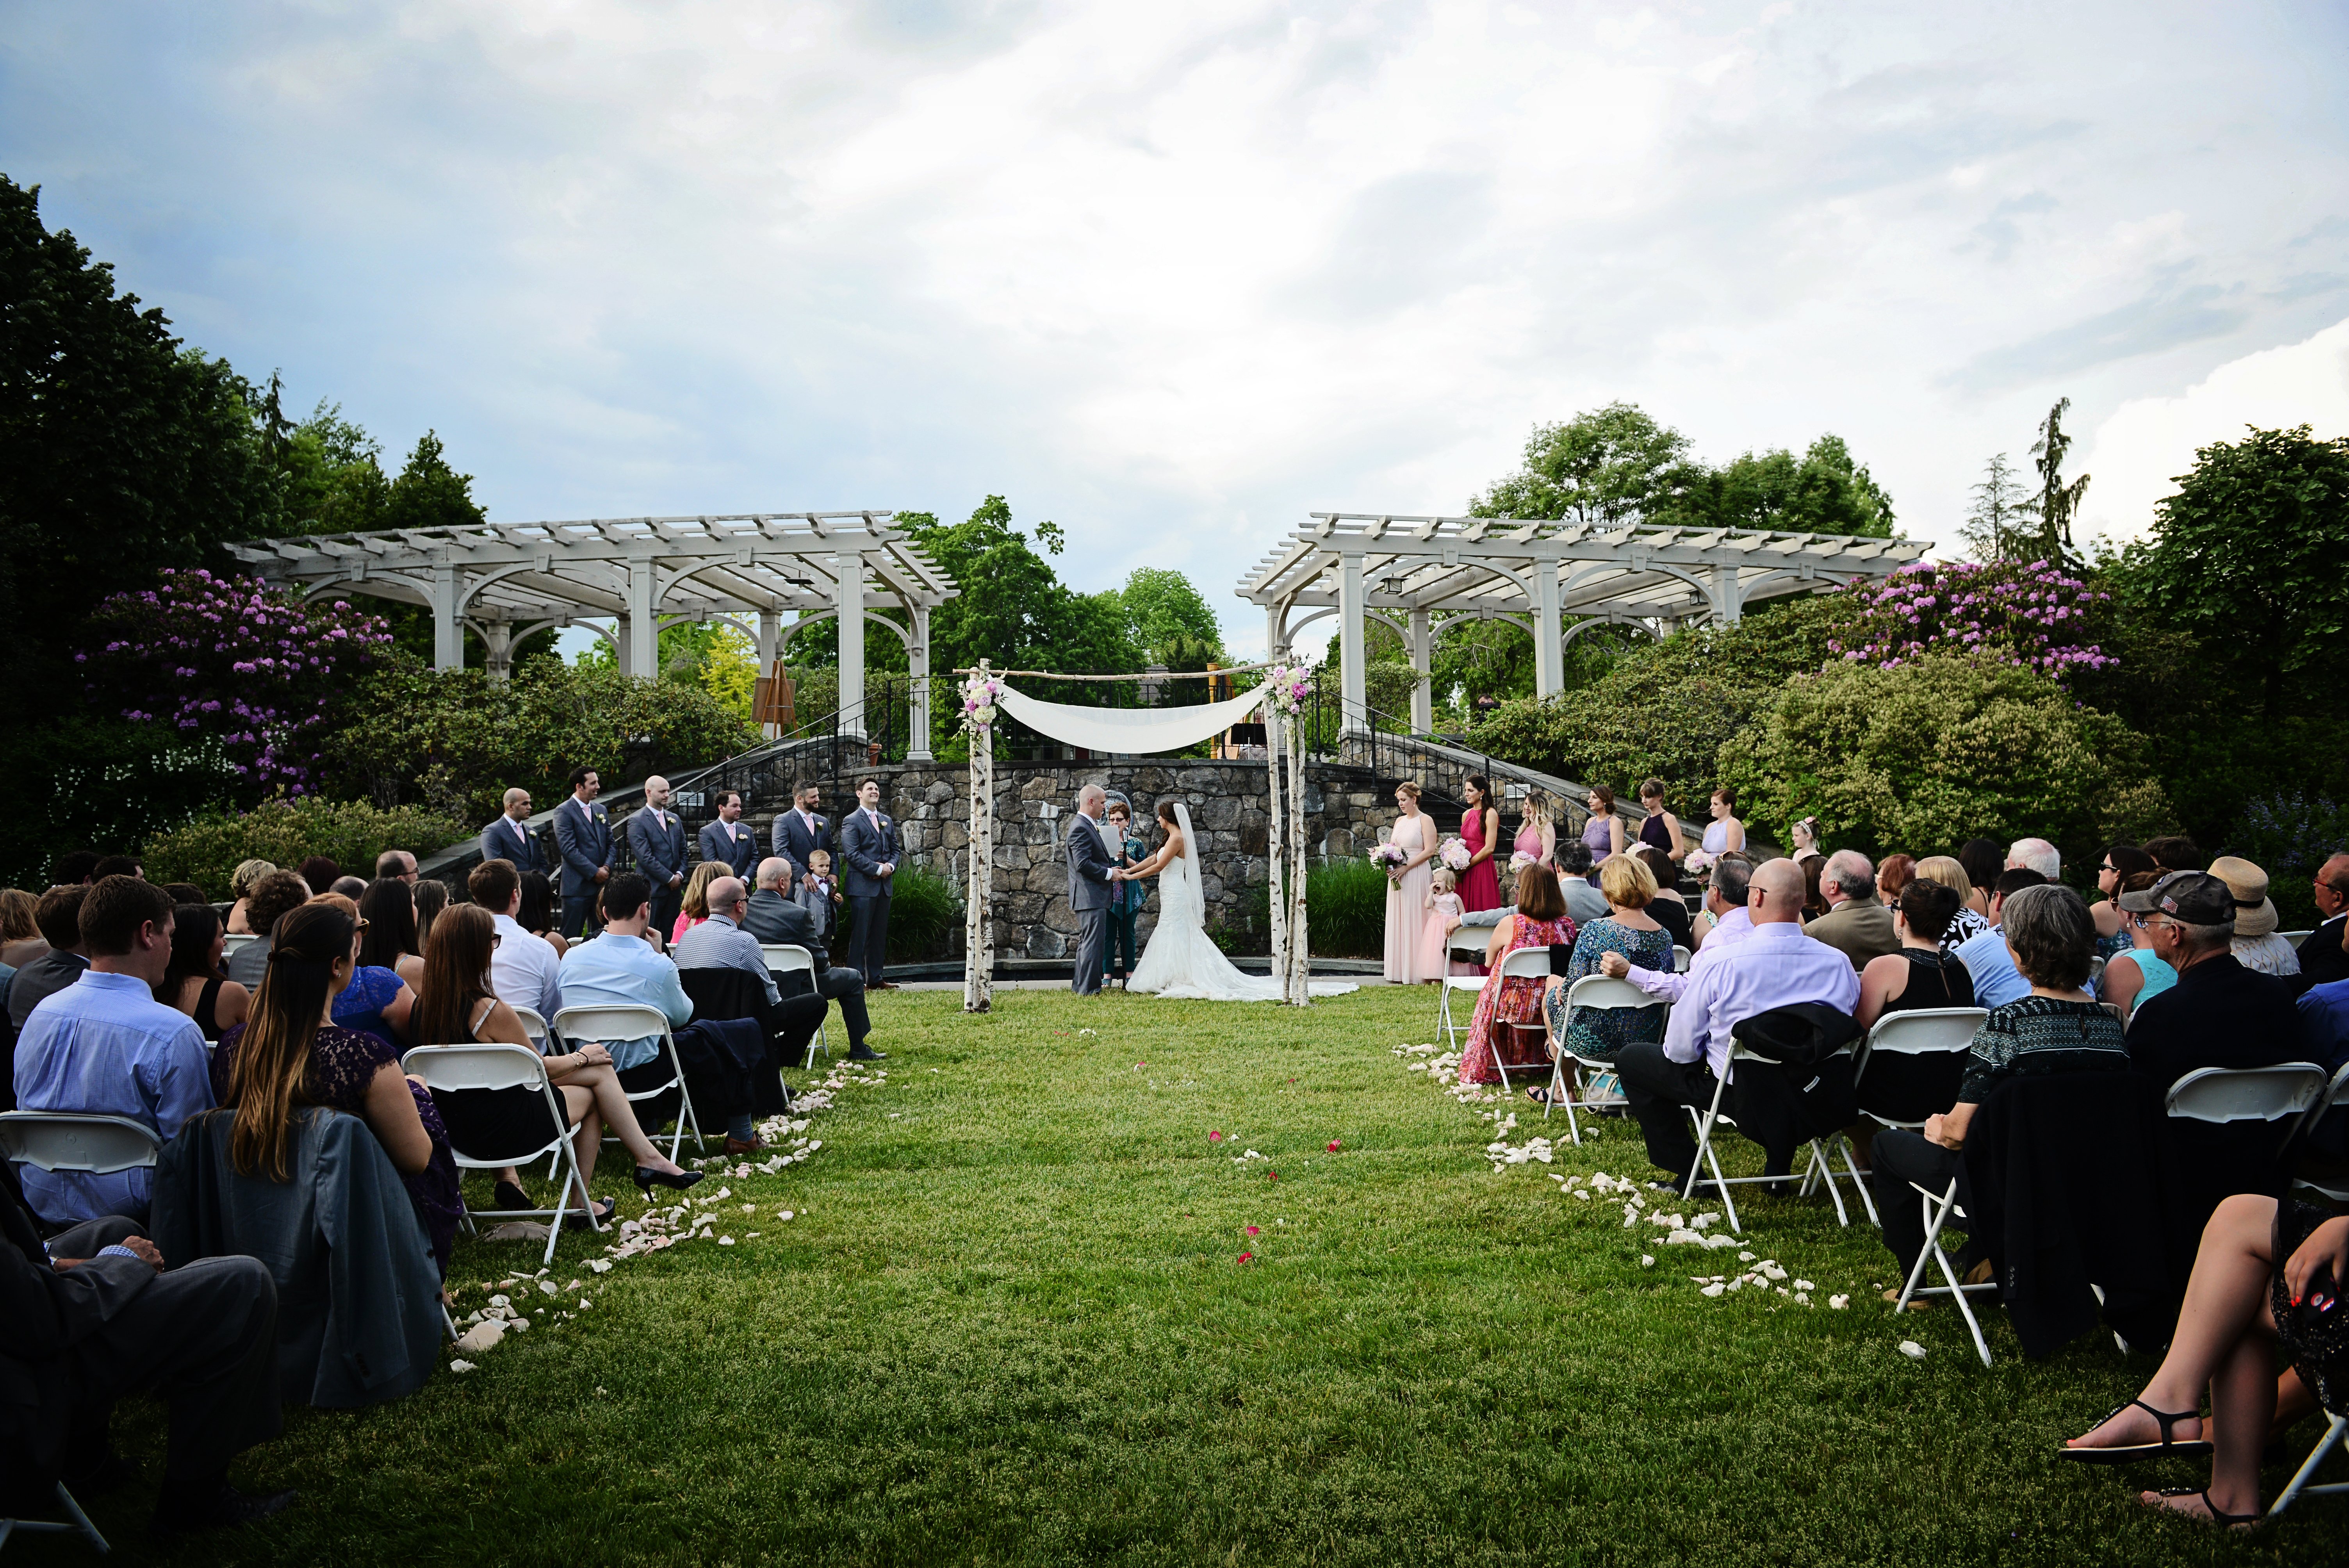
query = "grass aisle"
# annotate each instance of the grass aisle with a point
(1010, 1324)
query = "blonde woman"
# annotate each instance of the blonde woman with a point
(694, 907)
(20, 940)
(1536, 835)
(1407, 896)
(241, 883)
(1969, 921)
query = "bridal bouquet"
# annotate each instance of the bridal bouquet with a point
(1454, 854)
(978, 694)
(1520, 860)
(1699, 862)
(1390, 857)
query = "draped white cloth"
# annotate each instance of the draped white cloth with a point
(1133, 731)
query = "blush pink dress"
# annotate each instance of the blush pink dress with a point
(1434, 951)
(1407, 907)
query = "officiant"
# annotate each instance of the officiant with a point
(1127, 850)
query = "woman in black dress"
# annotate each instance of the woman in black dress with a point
(195, 983)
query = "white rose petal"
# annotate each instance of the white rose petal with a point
(546, 1287)
(1805, 1285)
(725, 1240)
(1714, 1289)
(460, 1366)
(1646, 1261)
(1745, 1257)
(783, 1214)
(1911, 1349)
(1838, 1301)
(601, 1265)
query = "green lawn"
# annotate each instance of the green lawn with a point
(1010, 1325)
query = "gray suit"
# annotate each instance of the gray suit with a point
(1088, 899)
(657, 839)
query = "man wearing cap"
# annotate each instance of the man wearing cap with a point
(2256, 945)
(2220, 1014)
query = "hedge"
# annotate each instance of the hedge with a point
(351, 833)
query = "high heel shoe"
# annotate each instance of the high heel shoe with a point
(681, 1180)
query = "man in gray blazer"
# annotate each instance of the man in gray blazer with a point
(1092, 874)
(583, 836)
(727, 841)
(657, 839)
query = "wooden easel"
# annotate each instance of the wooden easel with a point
(773, 703)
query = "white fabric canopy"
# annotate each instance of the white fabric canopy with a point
(1135, 731)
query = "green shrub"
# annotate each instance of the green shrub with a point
(925, 910)
(1346, 909)
(1924, 756)
(2290, 836)
(351, 833)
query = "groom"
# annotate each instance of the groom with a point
(1092, 872)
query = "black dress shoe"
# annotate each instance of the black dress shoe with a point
(506, 1195)
(603, 1213)
(864, 1053)
(647, 1177)
(214, 1507)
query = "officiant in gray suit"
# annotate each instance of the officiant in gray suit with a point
(1091, 880)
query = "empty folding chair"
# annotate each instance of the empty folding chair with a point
(2336, 1426)
(234, 942)
(1939, 1207)
(500, 1110)
(1919, 1058)
(788, 958)
(74, 1522)
(2222, 1094)
(620, 1022)
(1591, 1080)
(1455, 949)
(65, 1141)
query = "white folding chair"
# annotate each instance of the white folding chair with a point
(1463, 943)
(65, 1140)
(74, 1522)
(519, 1074)
(1525, 963)
(1599, 993)
(2335, 1427)
(534, 1029)
(1939, 1209)
(633, 1022)
(787, 958)
(1712, 1119)
(1679, 959)
(232, 944)
(2295, 937)
(2335, 1098)
(2221, 1095)
(1926, 1032)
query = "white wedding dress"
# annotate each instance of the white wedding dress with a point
(1183, 960)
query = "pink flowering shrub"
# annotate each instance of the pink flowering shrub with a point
(2034, 615)
(233, 660)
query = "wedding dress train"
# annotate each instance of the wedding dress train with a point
(1183, 962)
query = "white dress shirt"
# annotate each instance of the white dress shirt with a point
(1775, 965)
(1727, 931)
(525, 971)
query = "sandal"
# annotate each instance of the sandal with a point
(2219, 1516)
(1541, 1096)
(2129, 1453)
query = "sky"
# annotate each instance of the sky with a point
(1176, 276)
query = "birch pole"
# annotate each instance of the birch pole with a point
(1276, 847)
(1301, 948)
(979, 918)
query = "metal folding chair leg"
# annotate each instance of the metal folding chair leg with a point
(75, 1522)
(1936, 1211)
(2336, 1427)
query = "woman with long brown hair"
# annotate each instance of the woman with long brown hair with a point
(387, 938)
(457, 1008)
(290, 1055)
(194, 982)
(694, 907)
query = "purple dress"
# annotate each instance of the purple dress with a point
(343, 1062)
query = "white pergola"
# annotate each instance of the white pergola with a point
(1422, 575)
(505, 580)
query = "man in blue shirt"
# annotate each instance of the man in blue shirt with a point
(620, 969)
(104, 1046)
(1996, 980)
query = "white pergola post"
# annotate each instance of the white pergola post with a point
(448, 632)
(498, 639)
(1423, 657)
(1728, 596)
(1353, 681)
(770, 638)
(641, 650)
(917, 683)
(1549, 642)
(849, 569)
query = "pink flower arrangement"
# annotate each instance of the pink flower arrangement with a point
(1390, 856)
(1455, 853)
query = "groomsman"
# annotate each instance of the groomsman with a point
(868, 847)
(507, 840)
(583, 835)
(727, 841)
(657, 839)
(801, 831)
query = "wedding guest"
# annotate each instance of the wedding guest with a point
(2138, 974)
(1536, 834)
(1855, 923)
(387, 938)
(693, 908)
(1540, 920)
(2121, 862)
(1669, 908)
(2323, 954)
(1480, 830)
(432, 898)
(1983, 859)
(1602, 834)
(1728, 899)
(396, 865)
(1662, 829)
(58, 918)
(1806, 836)
(1724, 831)
(1988, 958)
(1443, 912)
(1574, 868)
(1893, 873)
(349, 887)
(2256, 945)
(2038, 855)
(374, 1000)
(819, 894)
(1970, 921)
(320, 871)
(537, 914)
(524, 971)
(2220, 1014)
(1814, 869)
(116, 866)
(1408, 893)
(275, 896)
(185, 892)
(21, 940)
(774, 914)
(2176, 853)
(194, 982)
(1628, 931)
(73, 868)
(1918, 975)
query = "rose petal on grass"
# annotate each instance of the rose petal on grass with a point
(1214, 1136)
(1333, 1146)
(1251, 1230)
(1911, 1349)
(466, 1366)
(1247, 1257)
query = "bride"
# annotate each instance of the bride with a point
(1181, 961)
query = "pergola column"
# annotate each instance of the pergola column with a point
(1728, 596)
(448, 632)
(848, 568)
(640, 651)
(917, 683)
(1549, 644)
(770, 638)
(1353, 681)
(1423, 658)
(498, 638)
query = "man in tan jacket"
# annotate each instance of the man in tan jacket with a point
(1856, 924)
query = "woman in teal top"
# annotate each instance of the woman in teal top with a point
(2137, 973)
(1628, 929)
(1127, 848)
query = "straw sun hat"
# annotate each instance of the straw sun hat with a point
(2255, 912)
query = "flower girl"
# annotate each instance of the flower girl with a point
(1444, 908)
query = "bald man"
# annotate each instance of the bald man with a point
(657, 839)
(507, 840)
(1776, 967)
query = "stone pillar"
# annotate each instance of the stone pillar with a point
(1422, 690)
(918, 700)
(848, 595)
(1353, 619)
(448, 631)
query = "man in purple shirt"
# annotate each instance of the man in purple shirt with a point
(1776, 967)
(104, 1046)
(1725, 901)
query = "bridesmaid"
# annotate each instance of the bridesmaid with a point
(1662, 829)
(1536, 835)
(1725, 832)
(1414, 833)
(1602, 835)
(1480, 830)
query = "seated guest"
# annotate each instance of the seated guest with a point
(275, 896)
(194, 982)
(693, 905)
(719, 940)
(2137, 973)
(1987, 957)
(620, 969)
(21, 940)
(1584, 902)
(241, 883)
(2256, 945)
(104, 1046)
(1971, 921)
(2054, 1027)
(73, 867)
(1856, 924)
(1983, 859)
(387, 938)
(373, 1000)
(185, 892)
(116, 866)
(95, 1315)
(2258, 1262)
(352, 888)
(1775, 965)
(58, 915)
(525, 970)
(2176, 853)
(1539, 920)
(2323, 955)
(432, 898)
(1628, 931)
(2038, 855)
(1669, 908)
(772, 915)
(396, 865)
(457, 1008)
(537, 914)
(2121, 862)
(1892, 874)
(2220, 1014)
(1919, 976)
(320, 872)
(1725, 899)
(1814, 870)
(288, 1056)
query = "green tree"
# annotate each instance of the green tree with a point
(1823, 491)
(2057, 502)
(1609, 467)
(330, 468)
(429, 493)
(1994, 529)
(1165, 611)
(2247, 558)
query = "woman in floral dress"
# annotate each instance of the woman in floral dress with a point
(1539, 921)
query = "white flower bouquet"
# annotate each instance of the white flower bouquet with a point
(1699, 862)
(1390, 857)
(1455, 853)
(1520, 860)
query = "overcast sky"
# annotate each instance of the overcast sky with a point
(1175, 276)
